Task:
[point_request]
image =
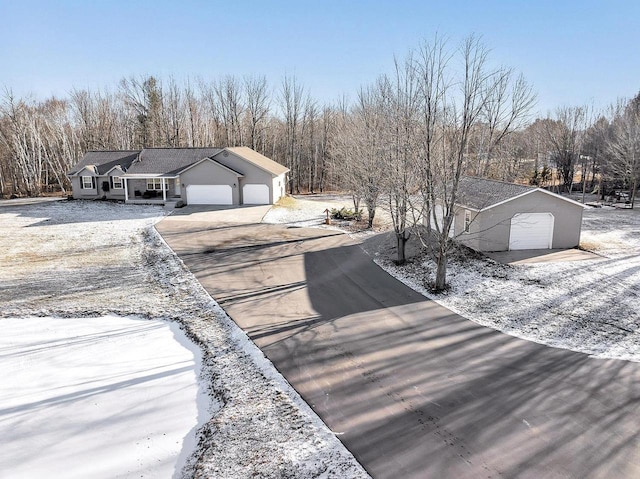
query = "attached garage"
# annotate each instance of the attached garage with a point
(209, 195)
(499, 216)
(255, 195)
(531, 231)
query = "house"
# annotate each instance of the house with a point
(497, 216)
(197, 176)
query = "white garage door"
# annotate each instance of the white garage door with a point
(209, 195)
(255, 195)
(531, 231)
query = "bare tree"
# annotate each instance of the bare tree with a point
(292, 105)
(256, 94)
(360, 151)
(230, 105)
(565, 136)
(144, 98)
(623, 145)
(401, 103)
(452, 105)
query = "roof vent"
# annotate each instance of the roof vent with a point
(226, 153)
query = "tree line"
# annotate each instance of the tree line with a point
(40, 140)
(402, 143)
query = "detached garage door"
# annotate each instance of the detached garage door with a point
(255, 195)
(209, 195)
(531, 231)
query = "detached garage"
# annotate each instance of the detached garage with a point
(497, 216)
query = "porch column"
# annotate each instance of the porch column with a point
(126, 190)
(164, 190)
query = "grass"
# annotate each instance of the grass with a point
(286, 202)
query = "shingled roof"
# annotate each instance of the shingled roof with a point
(259, 160)
(168, 161)
(480, 193)
(103, 161)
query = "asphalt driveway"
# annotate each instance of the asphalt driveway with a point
(412, 389)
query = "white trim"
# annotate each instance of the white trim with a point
(525, 194)
(147, 175)
(113, 180)
(215, 162)
(155, 182)
(82, 183)
(115, 167)
(90, 168)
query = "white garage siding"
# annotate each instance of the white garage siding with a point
(209, 195)
(278, 187)
(531, 231)
(255, 195)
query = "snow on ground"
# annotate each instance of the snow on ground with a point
(85, 259)
(98, 397)
(586, 306)
(309, 211)
(306, 211)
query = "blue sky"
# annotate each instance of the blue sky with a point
(573, 52)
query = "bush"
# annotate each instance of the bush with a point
(345, 213)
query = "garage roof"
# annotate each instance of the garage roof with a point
(259, 160)
(481, 194)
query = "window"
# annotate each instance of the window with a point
(154, 184)
(467, 221)
(116, 182)
(87, 182)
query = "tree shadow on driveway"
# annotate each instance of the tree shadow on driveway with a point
(412, 389)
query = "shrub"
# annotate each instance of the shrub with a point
(345, 213)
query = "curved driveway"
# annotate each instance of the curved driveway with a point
(410, 388)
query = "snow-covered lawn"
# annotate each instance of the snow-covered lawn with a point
(586, 306)
(98, 397)
(88, 260)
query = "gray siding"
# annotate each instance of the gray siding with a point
(98, 192)
(209, 173)
(491, 230)
(472, 238)
(252, 174)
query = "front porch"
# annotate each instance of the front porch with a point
(152, 190)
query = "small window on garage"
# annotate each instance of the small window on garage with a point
(87, 182)
(116, 182)
(467, 221)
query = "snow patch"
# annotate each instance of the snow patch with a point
(97, 397)
(92, 259)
